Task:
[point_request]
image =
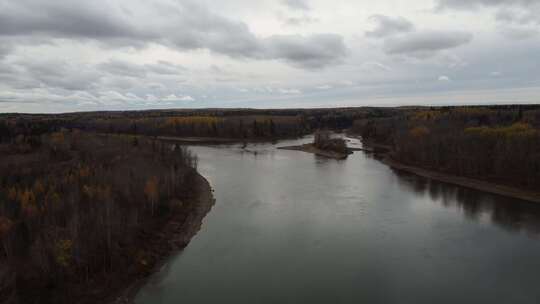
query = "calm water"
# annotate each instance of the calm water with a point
(290, 227)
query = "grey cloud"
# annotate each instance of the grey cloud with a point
(123, 68)
(58, 74)
(511, 16)
(519, 33)
(166, 68)
(520, 12)
(522, 17)
(297, 4)
(374, 66)
(48, 75)
(387, 26)
(4, 51)
(124, 75)
(401, 37)
(427, 42)
(33, 73)
(184, 25)
(311, 52)
(197, 28)
(120, 83)
(89, 19)
(298, 21)
(187, 26)
(474, 4)
(28, 73)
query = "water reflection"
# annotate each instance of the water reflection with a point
(511, 214)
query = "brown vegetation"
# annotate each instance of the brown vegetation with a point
(72, 206)
(324, 144)
(325, 141)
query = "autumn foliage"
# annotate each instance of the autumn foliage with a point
(73, 204)
(499, 144)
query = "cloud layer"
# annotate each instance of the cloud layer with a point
(184, 25)
(427, 42)
(518, 19)
(400, 37)
(473, 4)
(68, 55)
(388, 26)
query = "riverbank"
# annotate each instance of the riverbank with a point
(154, 244)
(382, 153)
(310, 148)
(475, 184)
(199, 140)
(202, 141)
(174, 236)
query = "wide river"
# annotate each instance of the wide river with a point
(291, 227)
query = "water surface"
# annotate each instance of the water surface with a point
(291, 227)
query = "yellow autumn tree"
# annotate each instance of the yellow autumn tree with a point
(13, 194)
(39, 188)
(84, 171)
(27, 199)
(419, 132)
(516, 130)
(58, 138)
(5, 227)
(151, 190)
(63, 252)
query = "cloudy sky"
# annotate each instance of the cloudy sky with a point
(70, 55)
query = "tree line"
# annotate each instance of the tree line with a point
(499, 144)
(230, 123)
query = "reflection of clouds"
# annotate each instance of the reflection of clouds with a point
(511, 214)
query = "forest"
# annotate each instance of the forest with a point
(500, 144)
(80, 193)
(239, 124)
(74, 208)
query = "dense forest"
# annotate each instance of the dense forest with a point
(73, 207)
(241, 124)
(499, 144)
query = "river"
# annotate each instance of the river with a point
(291, 227)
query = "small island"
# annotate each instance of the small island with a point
(326, 145)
